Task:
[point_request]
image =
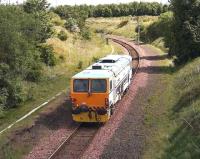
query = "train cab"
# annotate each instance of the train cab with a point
(95, 90)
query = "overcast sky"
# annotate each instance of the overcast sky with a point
(93, 2)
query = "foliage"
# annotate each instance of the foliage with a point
(186, 29)
(112, 10)
(38, 8)
(35, 6)
(74, 15)
(160, 28)
(122, 23)
(134, 8)
(20, 34)
(142, 27)
(86, 34)
(47, 55)
(62, 35)
(80, 65)
(70, 24)
(18, 54)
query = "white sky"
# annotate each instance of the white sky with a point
(93, 2)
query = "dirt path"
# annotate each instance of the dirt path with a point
(124, 136)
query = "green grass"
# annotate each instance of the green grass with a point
(159, 43)
(123, 26)
(173, 115)
(41, 93)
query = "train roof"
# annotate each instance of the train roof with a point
(93, 74)
(106, 67)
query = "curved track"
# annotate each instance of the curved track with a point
(77, 142)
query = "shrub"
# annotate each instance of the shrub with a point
(34, 75)
(141, 28)
(99, 31)
(47, 55)
(122, 24)
(11, 94)
(86, 34)
(70, 23)
(3, 97)
(80, 65)
(95, 59)
(160, 28)
(62, 35)
(61, 57)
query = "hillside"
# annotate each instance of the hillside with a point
(123, 26)
(172, 117)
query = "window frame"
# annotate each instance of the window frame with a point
(106, 89)
(88, 86)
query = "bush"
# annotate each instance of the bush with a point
(3, 97)
(160, 28)
(16, 93)
(34, 75)
(141, 28)
(11, 94)
(95, 59)
(100, 31)
(62, 35)
(80, 65)
(122, 23)
(186, 24)
(47, 55)
(62, 58)
(70, 23)
(86, 34)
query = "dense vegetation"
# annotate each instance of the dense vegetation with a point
(160, 29)
(112, 10)
(22, 29)
(186, 35)
(179, 29)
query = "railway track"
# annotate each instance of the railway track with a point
(132, 51)
(77, 142)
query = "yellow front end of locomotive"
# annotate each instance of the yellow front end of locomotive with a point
(90, 101)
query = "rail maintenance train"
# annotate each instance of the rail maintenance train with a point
(95, 90)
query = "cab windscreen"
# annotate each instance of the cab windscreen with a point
(98, 85)
(81, 85)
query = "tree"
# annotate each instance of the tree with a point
(19, 56)
(38, 8)
(186, 29)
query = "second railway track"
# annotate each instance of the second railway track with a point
(77, 142)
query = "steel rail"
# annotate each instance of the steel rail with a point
(124, 44)
(53, 155)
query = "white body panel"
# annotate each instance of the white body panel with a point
(116, 68)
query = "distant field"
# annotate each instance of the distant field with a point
(124, 26)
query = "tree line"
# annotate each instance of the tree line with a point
(112, 10)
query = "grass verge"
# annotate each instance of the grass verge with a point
(173, 115)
